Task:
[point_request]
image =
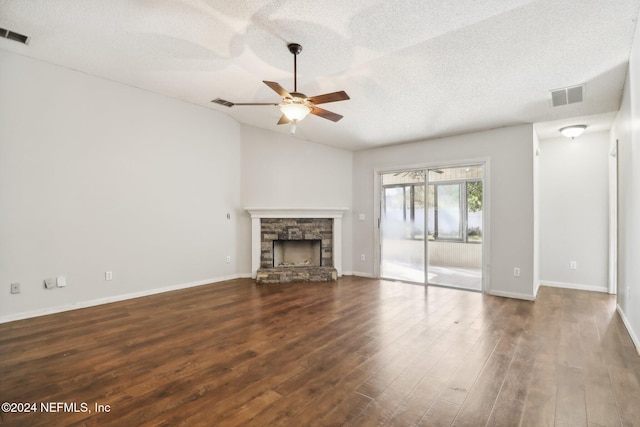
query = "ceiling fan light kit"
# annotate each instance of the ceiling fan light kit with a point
(296, 106)
(573, 131)
(295, 111)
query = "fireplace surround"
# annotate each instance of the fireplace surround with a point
(270, 227)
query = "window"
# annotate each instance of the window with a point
(474, 211)
(448, 218)
(405, 204)
(454, 200)
(455, 211)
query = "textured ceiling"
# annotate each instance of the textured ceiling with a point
(414, 69)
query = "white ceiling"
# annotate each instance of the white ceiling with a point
(414, 69)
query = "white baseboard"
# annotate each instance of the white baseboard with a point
(361, 274)
(116, 298)
(627, 325)
(576, 286)
(512, 295)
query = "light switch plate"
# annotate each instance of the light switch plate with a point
(49, 283)
(61, 281)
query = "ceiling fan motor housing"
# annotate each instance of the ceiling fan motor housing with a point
(294, 48)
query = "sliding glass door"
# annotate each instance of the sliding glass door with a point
(431, 226)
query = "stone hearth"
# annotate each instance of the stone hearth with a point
(277, 225)
(296, 274)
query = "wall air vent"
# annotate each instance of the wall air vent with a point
(223, 102)
(567, 95)
(6, 34)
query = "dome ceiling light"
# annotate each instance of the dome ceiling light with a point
(573, 131)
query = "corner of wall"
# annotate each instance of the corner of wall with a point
(634, 338)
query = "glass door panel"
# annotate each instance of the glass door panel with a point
(402, 226)
(454, 227)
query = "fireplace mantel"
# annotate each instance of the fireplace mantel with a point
(296, 213)
(258, 213)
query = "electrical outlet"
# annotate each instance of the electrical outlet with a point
(108, 275)
(15, 288)
(361, 217)
(61, 281)
(363, 258)
(573, 265)
(516, 272)
(228, 259)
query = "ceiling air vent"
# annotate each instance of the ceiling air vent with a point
(6, 34)
(567, 95)
(223, 102)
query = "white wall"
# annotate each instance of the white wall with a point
(627, 131)
(98, 176)
(574, 209)
(613, 215)
(536, 213)
(280, 171)
(509, 189)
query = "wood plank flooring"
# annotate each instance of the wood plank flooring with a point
(359, 352)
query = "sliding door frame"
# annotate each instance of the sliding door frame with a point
(486, 211)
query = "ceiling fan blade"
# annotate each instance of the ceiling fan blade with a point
(325, 114)
(256, 103)
(277, 88)
(230, 104)
(283, 120)
(329, 97)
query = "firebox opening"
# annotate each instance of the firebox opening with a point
(292, 253)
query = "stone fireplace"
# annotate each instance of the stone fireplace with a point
(296, 245)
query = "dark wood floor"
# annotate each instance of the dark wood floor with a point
(358, 352)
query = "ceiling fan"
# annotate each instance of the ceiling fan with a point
(295, 106)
